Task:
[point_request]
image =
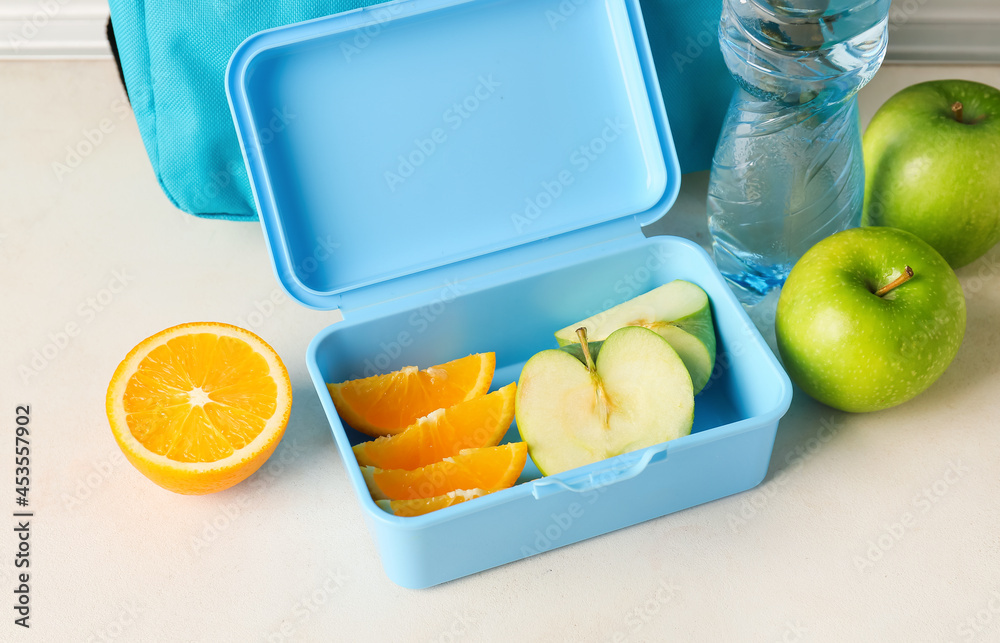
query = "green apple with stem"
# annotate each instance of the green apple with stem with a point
(932, 167)
(572, 412)
(869, 318)
(678, 311)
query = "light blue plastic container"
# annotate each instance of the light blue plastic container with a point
(470, 176)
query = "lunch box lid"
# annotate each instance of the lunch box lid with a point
(414, 141)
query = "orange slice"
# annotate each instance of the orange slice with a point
(387, 404)
(489, 469)
(421, 506)
(199, 407)
(479, 422)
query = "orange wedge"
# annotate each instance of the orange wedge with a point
(421, 506)
(199, 407)
(489, 469)
(387, 404)
(476, 423)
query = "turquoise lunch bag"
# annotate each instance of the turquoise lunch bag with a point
(174, 55)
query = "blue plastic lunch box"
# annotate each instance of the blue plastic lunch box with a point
(464, 176)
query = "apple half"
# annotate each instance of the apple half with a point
(678, 311)
(573, 412)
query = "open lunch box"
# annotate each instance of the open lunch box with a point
(462, 176)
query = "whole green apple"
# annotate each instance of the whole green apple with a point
(869, 318)
(932, 167)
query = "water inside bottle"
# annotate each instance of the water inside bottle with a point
(788, 170)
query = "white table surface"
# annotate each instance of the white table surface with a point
(288, 557)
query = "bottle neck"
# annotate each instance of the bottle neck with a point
(796, 52)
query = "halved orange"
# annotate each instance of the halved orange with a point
(489, 469)
(387, 404)
(421, 506)
(479, 422)
(199, 407)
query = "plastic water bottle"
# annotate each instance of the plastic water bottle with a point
(788, 170)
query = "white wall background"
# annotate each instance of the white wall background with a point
(960, 31)
(921, 30)
(53, 29)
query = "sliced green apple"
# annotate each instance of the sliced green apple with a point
(576, 350)
(678, 311)
(571, 412)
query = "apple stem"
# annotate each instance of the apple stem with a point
(581, 333)
(956, 109)
(898, 281)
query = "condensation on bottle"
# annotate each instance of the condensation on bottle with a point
(788, 169)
